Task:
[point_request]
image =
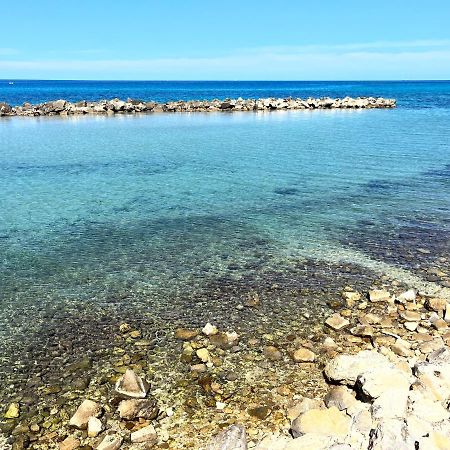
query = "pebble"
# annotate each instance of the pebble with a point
(303, 355)
(336, 321)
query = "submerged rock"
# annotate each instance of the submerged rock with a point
(233, 438)
(131, 385)
(13, 411)
(132, 409)
(146, 434)
(85, 411)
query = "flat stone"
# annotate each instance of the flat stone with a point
(133, 409)
(411, 326)
(377, 381)
(303, 355)
(260, 412)
(146, 434)
(310, 441)
(303, 405)
(351, 298)
(347, 368)
(436, 304)
(131, 385)
(363, 331)
(13, 411)
(328, 422)
(185, 334)
(440, 324)
(407, 296)
(340, 397)
(272, 353)
(379, 295)
(87, 409)
(336, 322)
(110, 442)
(410, 316)
(70, 443)
(232, 438)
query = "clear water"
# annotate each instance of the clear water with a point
(171, 218)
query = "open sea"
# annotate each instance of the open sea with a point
(168, 220)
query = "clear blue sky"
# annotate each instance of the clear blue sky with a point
(245, 39)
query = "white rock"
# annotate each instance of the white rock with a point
(232, 438)
(110, 442)
(87, 409)
(378, 381)
(209, 329)
(146, 434)
(346, 368)
(407, 296)
(131, 385)
(94, 427)
(273, 442)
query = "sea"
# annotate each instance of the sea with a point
(174, 220)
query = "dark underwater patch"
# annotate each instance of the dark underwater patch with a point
(286, 191)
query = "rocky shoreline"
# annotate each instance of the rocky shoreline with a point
(132, 106)
(385, 360)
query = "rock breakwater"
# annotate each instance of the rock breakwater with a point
(131, 106)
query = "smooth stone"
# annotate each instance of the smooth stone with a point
(70, 443)
(340, 397)
(436, 304)
(347, 368)
(272, 353)
(185, 334)
(232, 438)
(303, 355)
(203, 355)
(329, 422)
(94, 427)
(13, 411)
(131, 385)
(379, 295)
(303, 405)
(110, 442)
(87, 409)
(410, 316)
(336, 321)
(146, 434)
(132, 409)
(377, 381)
(407, 296)
(260, 412)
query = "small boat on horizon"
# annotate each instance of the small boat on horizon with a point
(11, 82)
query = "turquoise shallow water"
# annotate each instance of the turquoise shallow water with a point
(172, 218)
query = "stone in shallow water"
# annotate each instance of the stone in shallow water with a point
(260, 412)
(336, 322)
(185, 334)
(303, 355)
(13, 411)
(94, 427)
(146, 434)
(110, 442)
(379, 295)
(132, 409)
(233, 438)
(87, 409)
(272, 353)
(131, 385)
(70, 443)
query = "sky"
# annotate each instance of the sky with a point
(225, 40)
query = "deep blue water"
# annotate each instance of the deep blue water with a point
(414, 94)
(172, 217)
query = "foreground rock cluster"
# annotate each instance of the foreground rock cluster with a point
(385, 360)
(130, 106)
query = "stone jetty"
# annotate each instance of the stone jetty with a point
(131, 106)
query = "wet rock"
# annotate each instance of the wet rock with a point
(13, 411)
(272, 353)
(303, 355)
(209, 329)
(94, 427)
(436, 304)
(132, 409)
(379, 295)
(70, 443)
(87, 409)
(329, 422)
(336, 322)
(110, 442)
(260, 412)
(233, 438)
(146, 434)
(303, 405)
(185, 334)
(131, 385)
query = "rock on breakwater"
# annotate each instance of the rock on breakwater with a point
(130, 106)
